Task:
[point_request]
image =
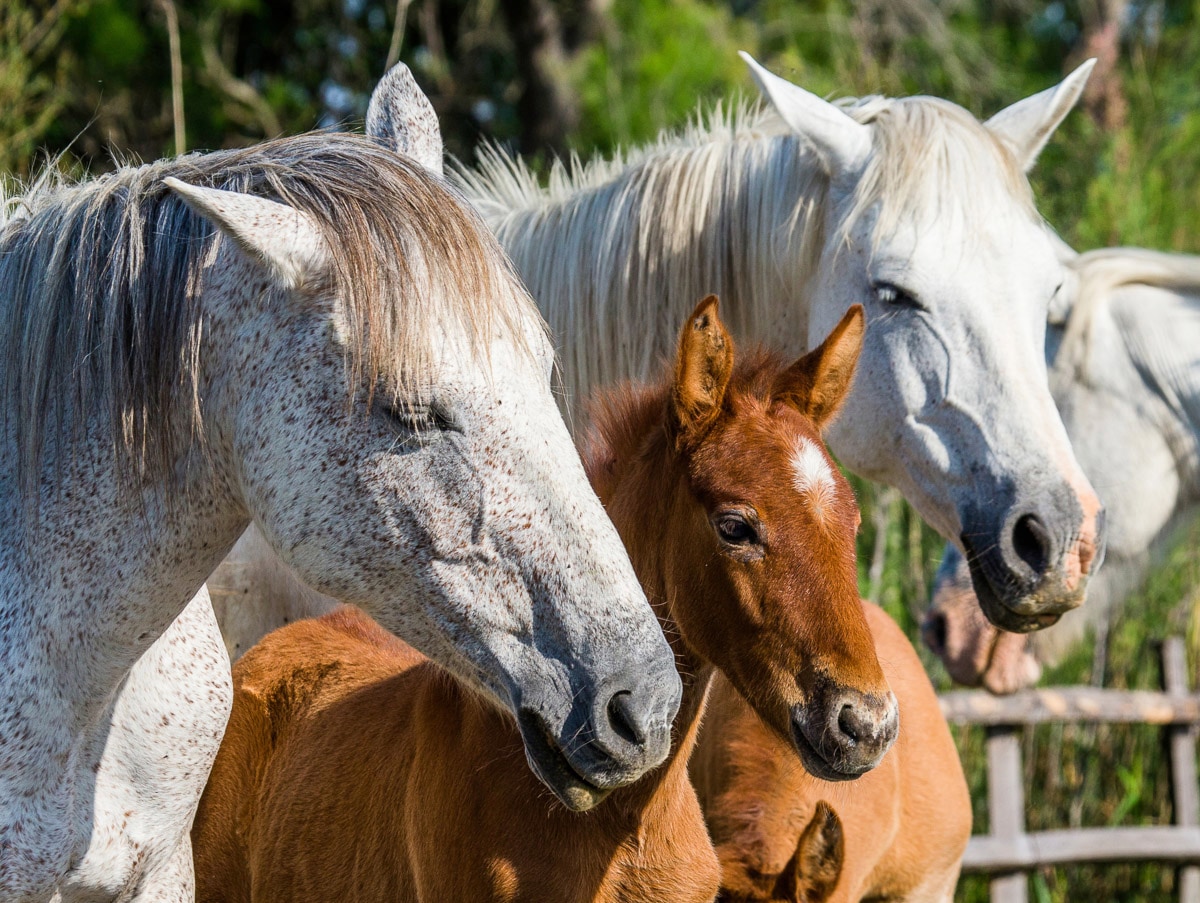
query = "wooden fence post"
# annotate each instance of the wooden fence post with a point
(1182, 746)
(1009, 853)
(1006, 805)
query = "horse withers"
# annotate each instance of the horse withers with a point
(896, 834)
(354, 768)
(1123, 353)
(315, 335)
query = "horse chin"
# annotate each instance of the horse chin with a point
(1007, 619)
(551, 767)
(816, 764)
(1001, 615)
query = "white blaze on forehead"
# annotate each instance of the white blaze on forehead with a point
(811, 474)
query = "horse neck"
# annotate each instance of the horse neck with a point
(1160, 337)
(650, 491)
(740, 217)
(106, 545)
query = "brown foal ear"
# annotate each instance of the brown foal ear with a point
(817, 384)
(816, 866)
(702, 367)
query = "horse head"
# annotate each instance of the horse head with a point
(377, 390)
(931, 226)
(752, 539)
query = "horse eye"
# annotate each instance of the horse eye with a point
(419, 418)
(735, 529)
(892, 295)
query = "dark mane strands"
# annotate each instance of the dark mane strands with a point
(100, 285)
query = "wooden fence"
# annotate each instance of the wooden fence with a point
(1008, 852)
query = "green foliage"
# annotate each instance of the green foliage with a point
(653, 66)
(32, 77)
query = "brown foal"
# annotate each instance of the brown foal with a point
(353, 768)
(904, 826)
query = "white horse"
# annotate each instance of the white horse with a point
(347, 360)
(1125, 372)
(911, 207)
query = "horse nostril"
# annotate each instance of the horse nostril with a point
(850, 723)
(934, 632)
(623, 720)
(1031, 542)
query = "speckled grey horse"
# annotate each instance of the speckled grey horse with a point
(1125, 373)
(318, 336)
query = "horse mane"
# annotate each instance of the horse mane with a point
(1101, 272)
(100, 286)
(732, 205)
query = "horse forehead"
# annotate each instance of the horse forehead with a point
(812, 473)
(517, 361)
(1001, 258)
(773, 449)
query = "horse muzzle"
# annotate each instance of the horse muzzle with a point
(1033, 567)
(610, 738)
(844, 733)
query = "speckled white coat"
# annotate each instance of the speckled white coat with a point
(461, 519)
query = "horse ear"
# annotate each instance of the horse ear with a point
(841, 143)
(401, 117)
(703, 364)
(280, 237)
(1027, 125)
(817, 384)
(816, 866)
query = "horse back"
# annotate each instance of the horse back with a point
(355, 769)
(281, 686)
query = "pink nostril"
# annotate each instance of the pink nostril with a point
(934, 632)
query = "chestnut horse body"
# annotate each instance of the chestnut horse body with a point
(352, 765)
(904, 826)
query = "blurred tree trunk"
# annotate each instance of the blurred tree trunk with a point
(547, 108)
(1104, 97)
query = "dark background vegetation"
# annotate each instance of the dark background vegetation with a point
(89, 83)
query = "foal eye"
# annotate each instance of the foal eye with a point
(737, 529)
(891, 295)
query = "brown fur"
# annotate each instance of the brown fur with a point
(353, 768)
(906, 824)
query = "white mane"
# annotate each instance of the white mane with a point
(1098, 274)
(617, 250)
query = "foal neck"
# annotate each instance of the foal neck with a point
(643, 485)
